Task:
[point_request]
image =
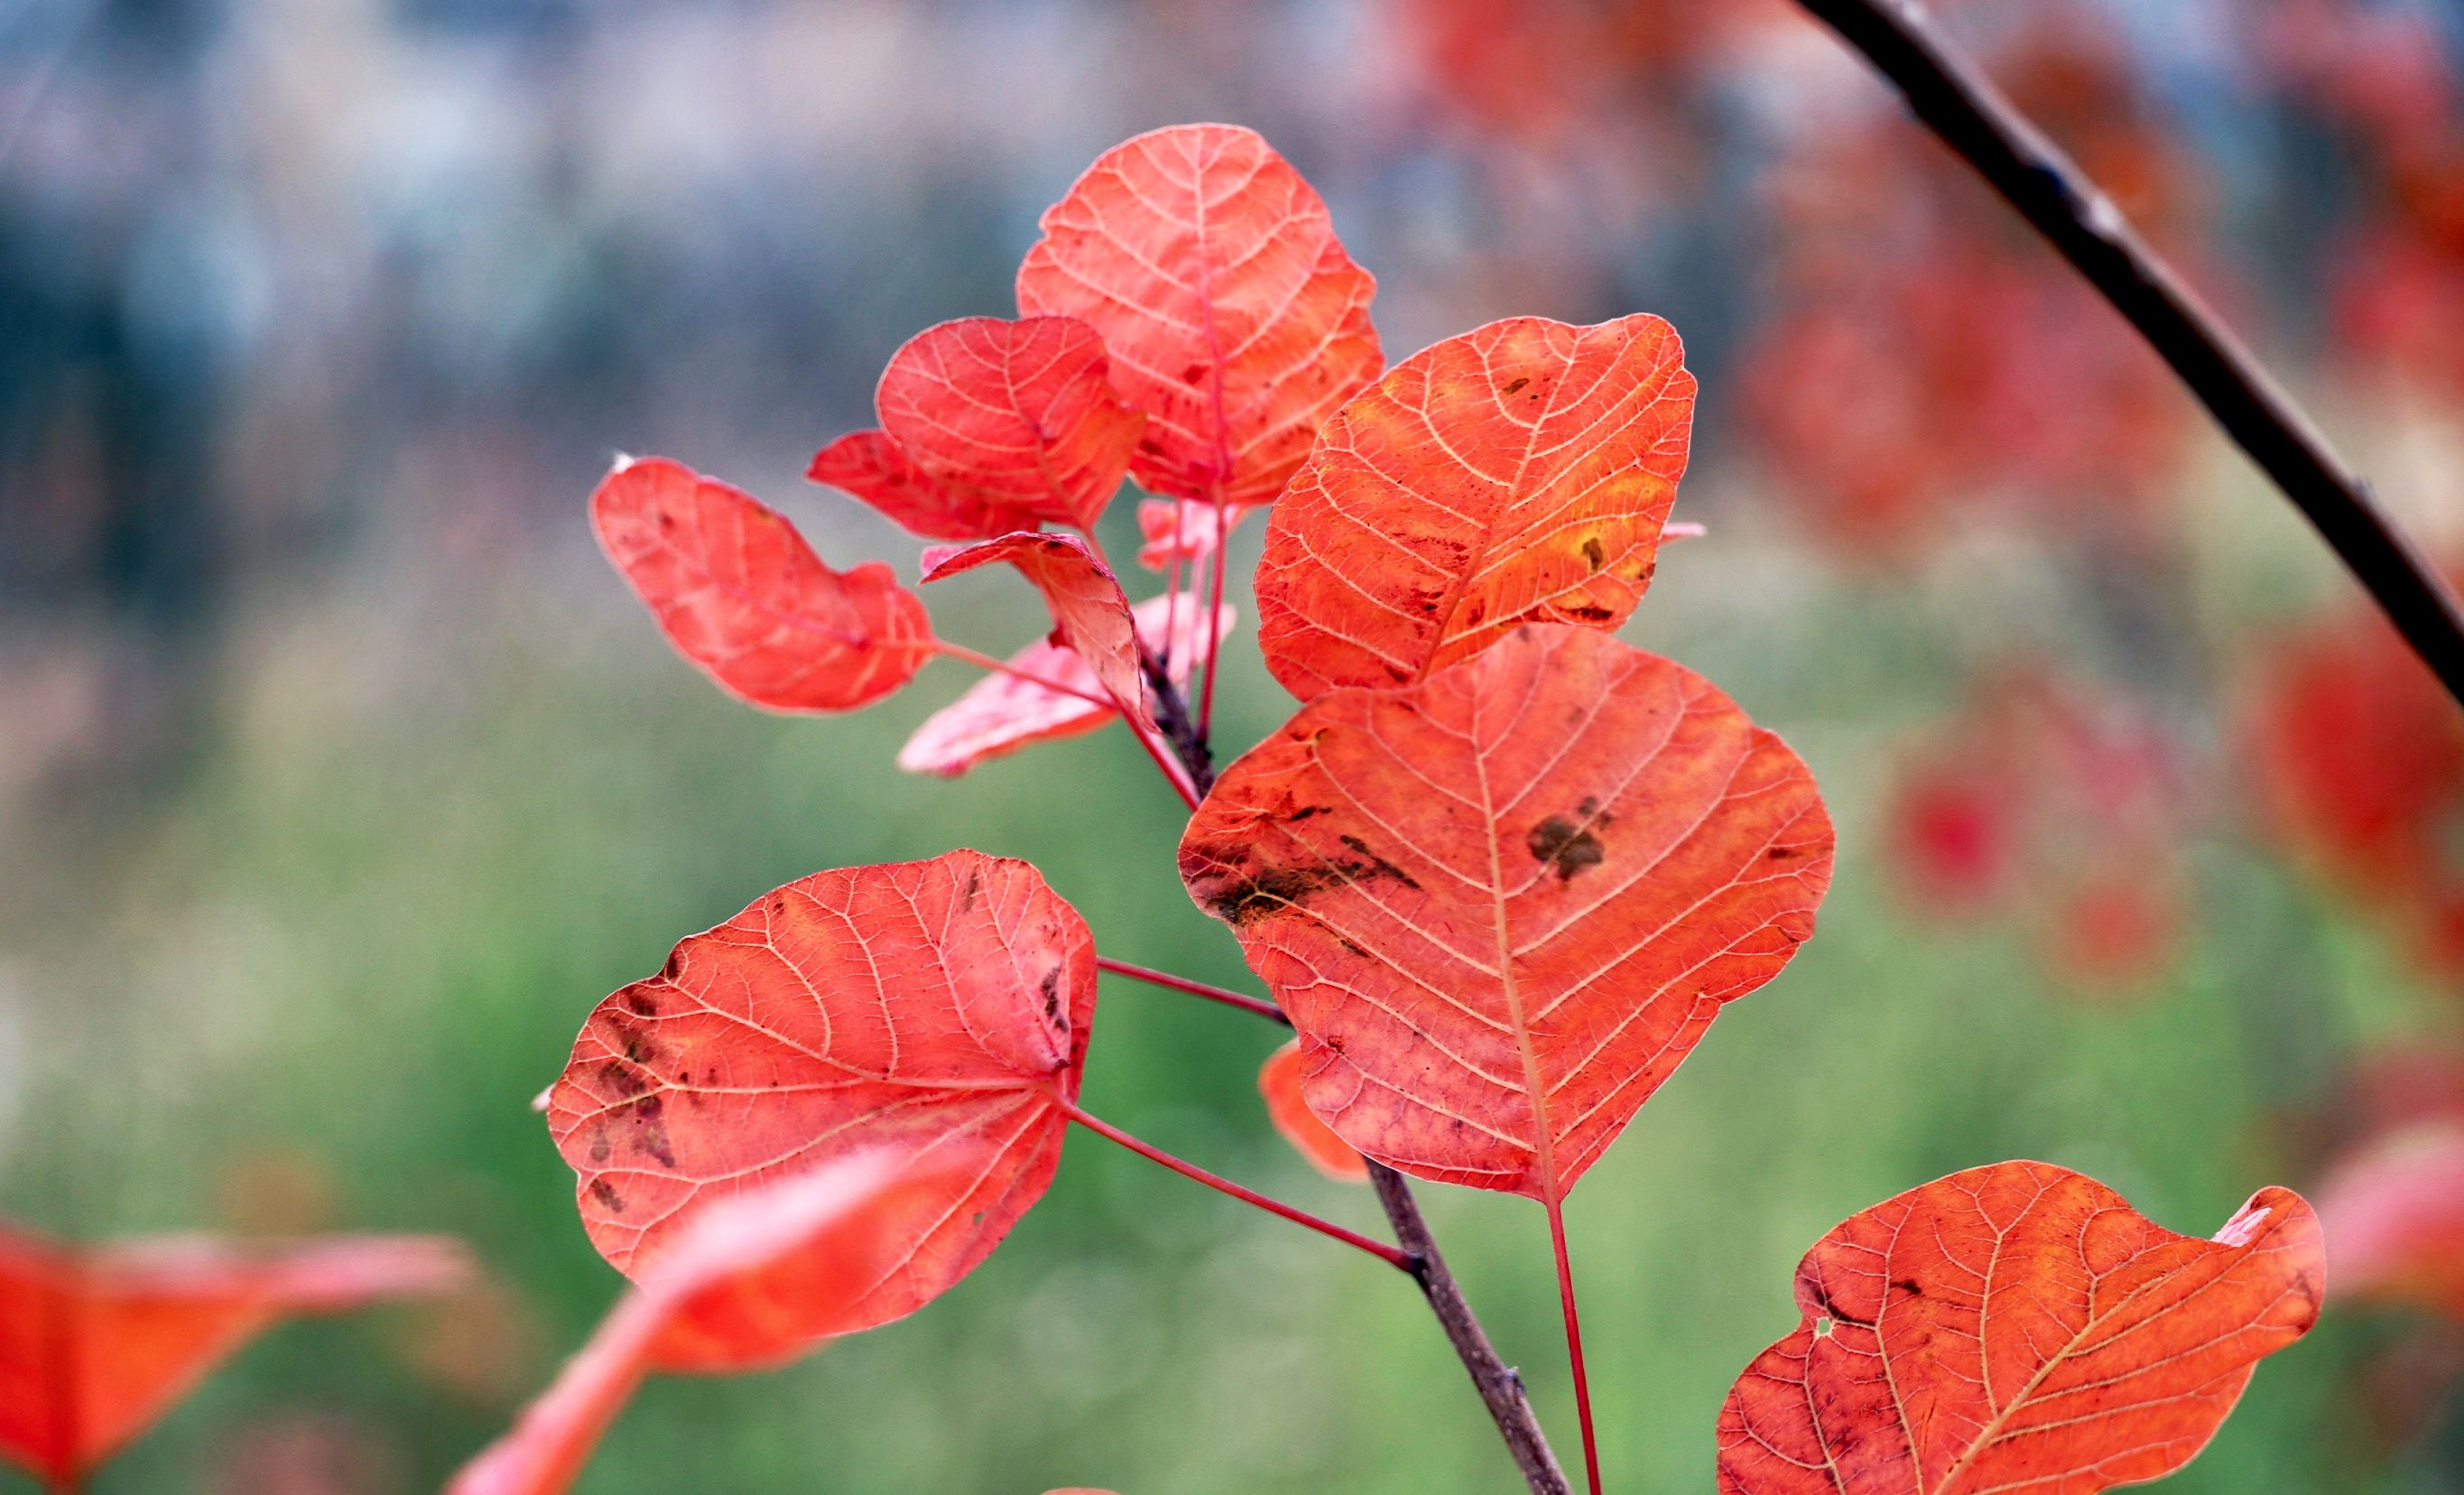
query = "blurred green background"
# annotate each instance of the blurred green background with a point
(339, 778)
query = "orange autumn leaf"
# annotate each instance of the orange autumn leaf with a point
(989, 423)
(2017, 1326)
(738, 592)
(1502, 906)
(1002, 714)
(930, 1009)
(2396, 1208)
(96, 1343)
(758, 1279)
(1279, 1083)
(1233, 316)
(1091, 616)
(1520, 472)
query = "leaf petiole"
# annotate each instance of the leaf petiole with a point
(1181, 983)
(1392, 1256)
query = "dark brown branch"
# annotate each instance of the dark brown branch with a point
(1499, 1384)
(1954, 99)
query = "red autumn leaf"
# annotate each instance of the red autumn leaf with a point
(1501, 906)
(875, 469)
(1091, 616)
(2012, 1326)
(1003, 713)
(2396, 1211)
(1279, 1081)
(756, 1280)
(739, 593)
(934, 1009)
(1518, 473)
(1233, 316)
(94, 1344)
(990, 425)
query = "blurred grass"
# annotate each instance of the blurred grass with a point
(371, 925)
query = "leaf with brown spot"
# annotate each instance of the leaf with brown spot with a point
(1501, 906)
(990, 425)
(2015, 1326)
(1520, 472)
(1002, 714)
(96, 1343)
(922, 1008)
(1279, 1083)
(1233, 316)
(756, 1280)
(738, 592)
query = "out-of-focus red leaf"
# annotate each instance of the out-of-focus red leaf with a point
(1501, 906)
(990, 425)
(2012, 1326)
(1279, 1081)
(2396, 1208)
(755, 1280)
(1518, 473)
(1003, 713)
(1234, 318)
(1181, 532)
(739, 593)
(934, 1009)
(94, 1344)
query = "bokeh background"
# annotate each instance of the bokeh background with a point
(339, 777)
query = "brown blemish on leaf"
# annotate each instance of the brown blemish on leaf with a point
(1594, 552)
(1515, 386)
(1564, 844)
(1239, 898)
(606, 1194)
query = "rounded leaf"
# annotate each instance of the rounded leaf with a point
(2015, 1326)
(1279, 1084)
(1234, 318)
(920, 1009)
(1521, 473)
(1502, 906)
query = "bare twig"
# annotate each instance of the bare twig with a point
(1499, 1384)
(1953, 98)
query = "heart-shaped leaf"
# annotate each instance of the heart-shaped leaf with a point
(1233, 316)
(1279, 1083)
(2018, 1327)
(987, 423)
(1090, 615)
(739, 593)
(1501, 906)
(94, 1344)
(1518, 473)
(756, 1280)
(931, 1008)
(1003, 713)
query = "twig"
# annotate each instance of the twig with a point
(1499, 1384)
(1955, 98)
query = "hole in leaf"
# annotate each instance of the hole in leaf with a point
(1823, 1326)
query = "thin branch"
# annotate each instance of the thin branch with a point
(1181, 983)
(1955, 98)
(1392, 1256)
(1499, 1384)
